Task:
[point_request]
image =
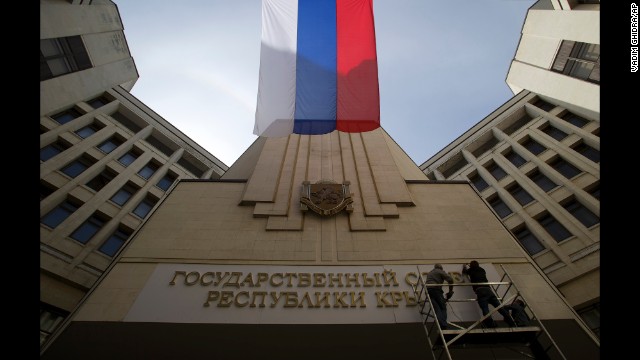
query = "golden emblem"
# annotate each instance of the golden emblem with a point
(326, 197)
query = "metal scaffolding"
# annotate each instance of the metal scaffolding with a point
(442, 341)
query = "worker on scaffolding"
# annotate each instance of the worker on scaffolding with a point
(518, 314)
(484, 294)
(436, 294)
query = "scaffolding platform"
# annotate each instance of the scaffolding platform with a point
(491, 335)
(473, 335)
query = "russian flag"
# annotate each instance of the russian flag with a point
(318, 68)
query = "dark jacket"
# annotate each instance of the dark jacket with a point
(476, 275)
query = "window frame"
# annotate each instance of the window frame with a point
(565, 168)
(538, 175)
(494, 169)
(127, 190)
(525, 238)
(585, 216)
(499, 206)
(554, 228)
(81, 161)
(152, 166)
(118, 235)
(148, 200)
(521, 195)
(481, 180)
(93, 225)
(65, 209)
(532, 146)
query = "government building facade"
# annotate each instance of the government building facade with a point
(309, 246)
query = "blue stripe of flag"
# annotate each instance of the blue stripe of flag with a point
(316, 68)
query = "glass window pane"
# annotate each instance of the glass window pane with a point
(56, 216)
(584, 215)
(85, 232)
(478, 182)
(122, 196)
(500, 207)
(529, 241)
(74, 169)
(147, 171)
(496, 171)
(48, 152)
(542, 181)
(555, 133)
(533, 146)
(50, 48)
(565, 168)
(98, 102)
(66, 116)
(108, 146)
(165, 182)
(86, 131)
(127, 159)
(575, 120)
(143, 208)
(554, 228)
(515, 159)
(113, 243)
(59, 66)
(520, 194)
(580, 69)
(588, 152)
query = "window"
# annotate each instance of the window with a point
(520, 194)
(541, 104)
(496, 171)
(574, 119)
(565, 168)
(124, 194)
(515, 159)
(533, 146)
(554, 132)
(101, 180)
(88, 130)
(554, 228)
(500, 207)
(110, 144)
(579, 60)
(53, 149)
(166, 181)
(588, 152)
(62, 56)
(145, 206)
(478, 182)
(529, 241)
(88, 229)
(584, 215)
(66, 116)
(56, 216)
(594, 190)
(77, 167)
(111, 246)
(128, 158)
(98, 102)
(148, 170)
(542, 181)
(50, 318)
(46, 189)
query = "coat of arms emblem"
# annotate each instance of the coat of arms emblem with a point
(326, 197)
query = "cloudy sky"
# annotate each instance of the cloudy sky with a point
(442, 66)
